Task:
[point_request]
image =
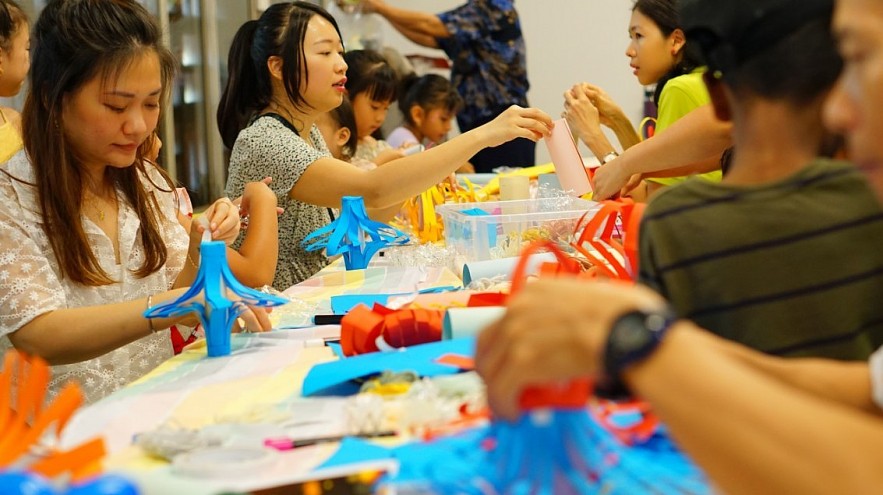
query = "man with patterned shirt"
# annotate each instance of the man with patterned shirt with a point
(483, 39)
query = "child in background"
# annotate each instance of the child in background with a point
(428, 104)
(15, 61)
(372, 86)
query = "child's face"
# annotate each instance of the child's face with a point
(323, 52)
(436, 124)
(16, 61)
(652, 55)
(370, 114)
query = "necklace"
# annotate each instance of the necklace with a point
(100, 211)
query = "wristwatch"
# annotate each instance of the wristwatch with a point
(633, 337)
(609, 157)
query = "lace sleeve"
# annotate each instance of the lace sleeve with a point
(29, 286)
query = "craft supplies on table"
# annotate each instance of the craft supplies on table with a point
(499, 229)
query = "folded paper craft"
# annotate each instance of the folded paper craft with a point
(354, 235)
(568, 163)
(209, 298)
(364, 330)
(26, 423)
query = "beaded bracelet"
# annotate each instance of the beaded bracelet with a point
(194, 264)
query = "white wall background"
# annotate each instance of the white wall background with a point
(568, 41)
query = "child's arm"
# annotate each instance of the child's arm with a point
(387, 156)
(255, 263)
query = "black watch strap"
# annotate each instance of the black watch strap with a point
(633, 337)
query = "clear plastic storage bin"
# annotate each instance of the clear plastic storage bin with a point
(499, 229)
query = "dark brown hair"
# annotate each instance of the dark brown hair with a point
(344, 117)
(11, 18)
(73, 42)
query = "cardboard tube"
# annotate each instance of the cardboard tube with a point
(502, 266)
(468, 322)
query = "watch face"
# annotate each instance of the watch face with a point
(633, 334)
(633, 337)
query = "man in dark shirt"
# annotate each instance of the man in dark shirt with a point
(483, 39)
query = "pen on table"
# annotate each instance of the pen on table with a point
(327, 319)
(284, 443)
(321, 342)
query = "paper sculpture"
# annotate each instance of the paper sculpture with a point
(354, 235)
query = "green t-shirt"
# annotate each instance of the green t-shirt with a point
(680, 96)
(791, 268)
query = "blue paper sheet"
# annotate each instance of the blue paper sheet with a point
(336, 377)
(354, 450)
(341, 304)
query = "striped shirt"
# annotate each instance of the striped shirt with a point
(791, 268)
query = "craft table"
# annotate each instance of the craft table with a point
(259, 382)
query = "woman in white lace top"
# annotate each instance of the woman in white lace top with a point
(88, 231)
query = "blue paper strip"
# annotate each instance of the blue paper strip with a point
(336, 377)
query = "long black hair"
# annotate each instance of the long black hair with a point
(280, 32)
(665, 14)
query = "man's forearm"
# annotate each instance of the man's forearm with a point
(414, 22)
(845, 382)
(415, 36)
(751, 432)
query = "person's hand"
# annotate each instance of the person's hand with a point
(632, 184)
(258, 192)
(253, 319)
(608, 111)
(223, 220)
(554, 330)
(609, 179)
(372, 5)
(516, 122)
(364, 5)
(582, 116)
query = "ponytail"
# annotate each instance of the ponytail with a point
(248, 87)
